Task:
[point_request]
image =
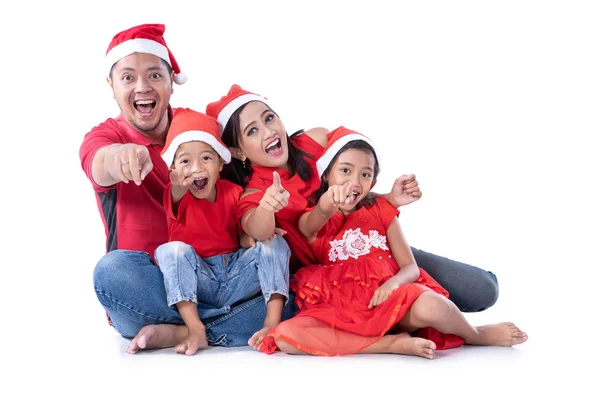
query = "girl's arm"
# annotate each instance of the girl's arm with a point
(409, 271)
(310, 223)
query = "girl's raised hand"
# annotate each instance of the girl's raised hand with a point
(336, 196)
(405, 190)
(275, 197)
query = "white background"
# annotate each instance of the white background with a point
(493, 105)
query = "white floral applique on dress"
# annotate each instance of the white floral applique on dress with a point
(354, 244)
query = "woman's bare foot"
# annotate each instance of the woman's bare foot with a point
(502, 334)
(256, 339)
(403, 343)
(194, 341)
(157, 337)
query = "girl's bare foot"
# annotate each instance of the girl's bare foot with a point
(403, 343)
(194, 341)
(157, 337)
(502, 334)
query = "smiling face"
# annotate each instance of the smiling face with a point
(142, 86)
(263, 139)
(200, 161)
(355, 168)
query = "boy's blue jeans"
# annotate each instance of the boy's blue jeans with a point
(225, 279)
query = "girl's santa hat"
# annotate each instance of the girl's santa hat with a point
(188, 126)
(147, 38)
(223, 109)
(337, 139)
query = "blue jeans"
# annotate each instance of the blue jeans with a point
(471, 289)
(131, 289)
(224, 279)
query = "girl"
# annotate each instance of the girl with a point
(368, 283)
(261, 147)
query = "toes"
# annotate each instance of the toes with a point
(191, 350)
(132, 348)
(181, 348)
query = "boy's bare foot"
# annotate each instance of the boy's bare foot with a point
(194, 341)
(256, 339)
(403, 343)
(502, 334)
(157, 337)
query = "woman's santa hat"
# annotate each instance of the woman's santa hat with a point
(189, 126)
(337, 139)
(147, 38)
(223, 109)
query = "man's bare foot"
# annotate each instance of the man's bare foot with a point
(403, 343)
(256, 339)
(502, 334)
(157, 337)
(194, 341)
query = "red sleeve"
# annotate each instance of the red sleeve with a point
(385, 211)
(248, 202)
(168, 203)
(101, 136)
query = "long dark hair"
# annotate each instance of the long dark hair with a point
(369, 199)
(240, 173)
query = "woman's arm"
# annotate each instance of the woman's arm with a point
(319, 135)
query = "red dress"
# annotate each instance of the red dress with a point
(333, 297)
(300, 193)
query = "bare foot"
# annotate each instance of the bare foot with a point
(502, 334)
(403, 343)
(258, 337)
(157, 337)
(194, 341)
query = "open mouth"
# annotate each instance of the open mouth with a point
(144, 106)
(200, 183)
(354, 196)
(274, 148)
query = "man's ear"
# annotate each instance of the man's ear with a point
(237, 154)
(109, 81)
(373, 183)
(221, 163)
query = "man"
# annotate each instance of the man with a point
(121, 158)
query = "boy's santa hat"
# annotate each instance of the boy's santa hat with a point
(223, 109)
(188, 126)
(337, 139)
(147, 38)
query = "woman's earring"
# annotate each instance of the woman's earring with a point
(244, 164)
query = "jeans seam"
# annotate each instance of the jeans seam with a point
(234, 311)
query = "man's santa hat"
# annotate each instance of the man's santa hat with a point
(188, 126)
(337, 139)
(223, 109)
(147, 38)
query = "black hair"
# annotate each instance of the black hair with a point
(369, 199)
(240, 173)
(166, 64)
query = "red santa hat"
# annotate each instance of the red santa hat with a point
(337, 139)
(223, 109)
(147, 38)
(188, 126)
